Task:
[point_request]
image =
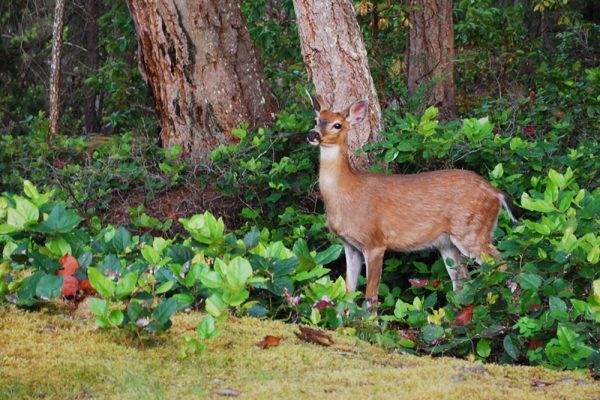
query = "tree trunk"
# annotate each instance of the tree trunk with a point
(92, 104)
(55, 68)
(336, 59)
(202, 69)
(431, 54)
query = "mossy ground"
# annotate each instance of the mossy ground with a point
(51, 354)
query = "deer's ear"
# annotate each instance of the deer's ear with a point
(318, 103)
(357, 112)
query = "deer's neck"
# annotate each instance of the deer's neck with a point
(336, 177)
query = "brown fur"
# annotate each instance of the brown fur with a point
(452, 210)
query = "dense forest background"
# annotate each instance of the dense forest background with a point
(154, 156)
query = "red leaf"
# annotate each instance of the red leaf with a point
(464, 317)
(87, 286)
(324, 303)
(418, 282)
(534, 344)
(69, 264)
(70, 285)
(534, 307)
(59, 163)
(269, 341)
(529, 130)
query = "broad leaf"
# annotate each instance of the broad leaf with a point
(329, 255)
(163, 312)
(59, 221)
(126, 286)
(49, 286)
(103, 285)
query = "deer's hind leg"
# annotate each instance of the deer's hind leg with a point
(476, 247)
(453, 260)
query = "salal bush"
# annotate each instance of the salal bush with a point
(140, 281)
(540, 305)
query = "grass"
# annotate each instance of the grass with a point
(53, 354)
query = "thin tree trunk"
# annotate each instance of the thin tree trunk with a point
(336, 59)
(92, 102)
(431, 54)
(55, 69)
(202, 69)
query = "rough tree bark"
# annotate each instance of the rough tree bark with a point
(55, 68)
(431, 54)
(336, 59)
(202, 69)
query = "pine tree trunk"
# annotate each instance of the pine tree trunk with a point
(55, 69)
(431, 54)
(202, 69)
(336, 59)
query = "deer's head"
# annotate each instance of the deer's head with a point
(332, 127)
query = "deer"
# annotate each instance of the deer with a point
(454, 211)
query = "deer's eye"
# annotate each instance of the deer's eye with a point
(337, 125)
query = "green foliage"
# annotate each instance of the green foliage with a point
(142, 280)
(531, 114)
(271, 171)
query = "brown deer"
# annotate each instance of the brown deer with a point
(453, 211)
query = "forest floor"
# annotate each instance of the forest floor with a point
(55, 354)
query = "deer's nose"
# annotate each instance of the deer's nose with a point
(313, 135)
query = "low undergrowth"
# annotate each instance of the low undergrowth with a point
(71, 361)
(281, 262)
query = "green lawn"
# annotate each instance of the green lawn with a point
(52, 354)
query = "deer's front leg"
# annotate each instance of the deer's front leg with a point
(374, 258)
(354, 261)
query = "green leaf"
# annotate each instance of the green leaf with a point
(30, 190)
(6, 228)
(529, 281)
(163, 312)
(284, 267)
(97, 306)
(59, 220)
(49, 286)
(238, 272)
(122, 240)
(565, 203)
(429, 114)
(558, 308)
(24, 213)
(390, 155)
(102, 322)
(206, 328)
(540, 205)
(596, 286)
(103, 285)
(252, 238)
(483, 348)
(404, 146)
(211, 279)
(116, 317)
(150, 254)
(329, 255)
(432, 332)
(26, 293)
(126, 286)
(215, 306)
(165, 287)
(510, 347)
(58, 246)
(498, 171)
